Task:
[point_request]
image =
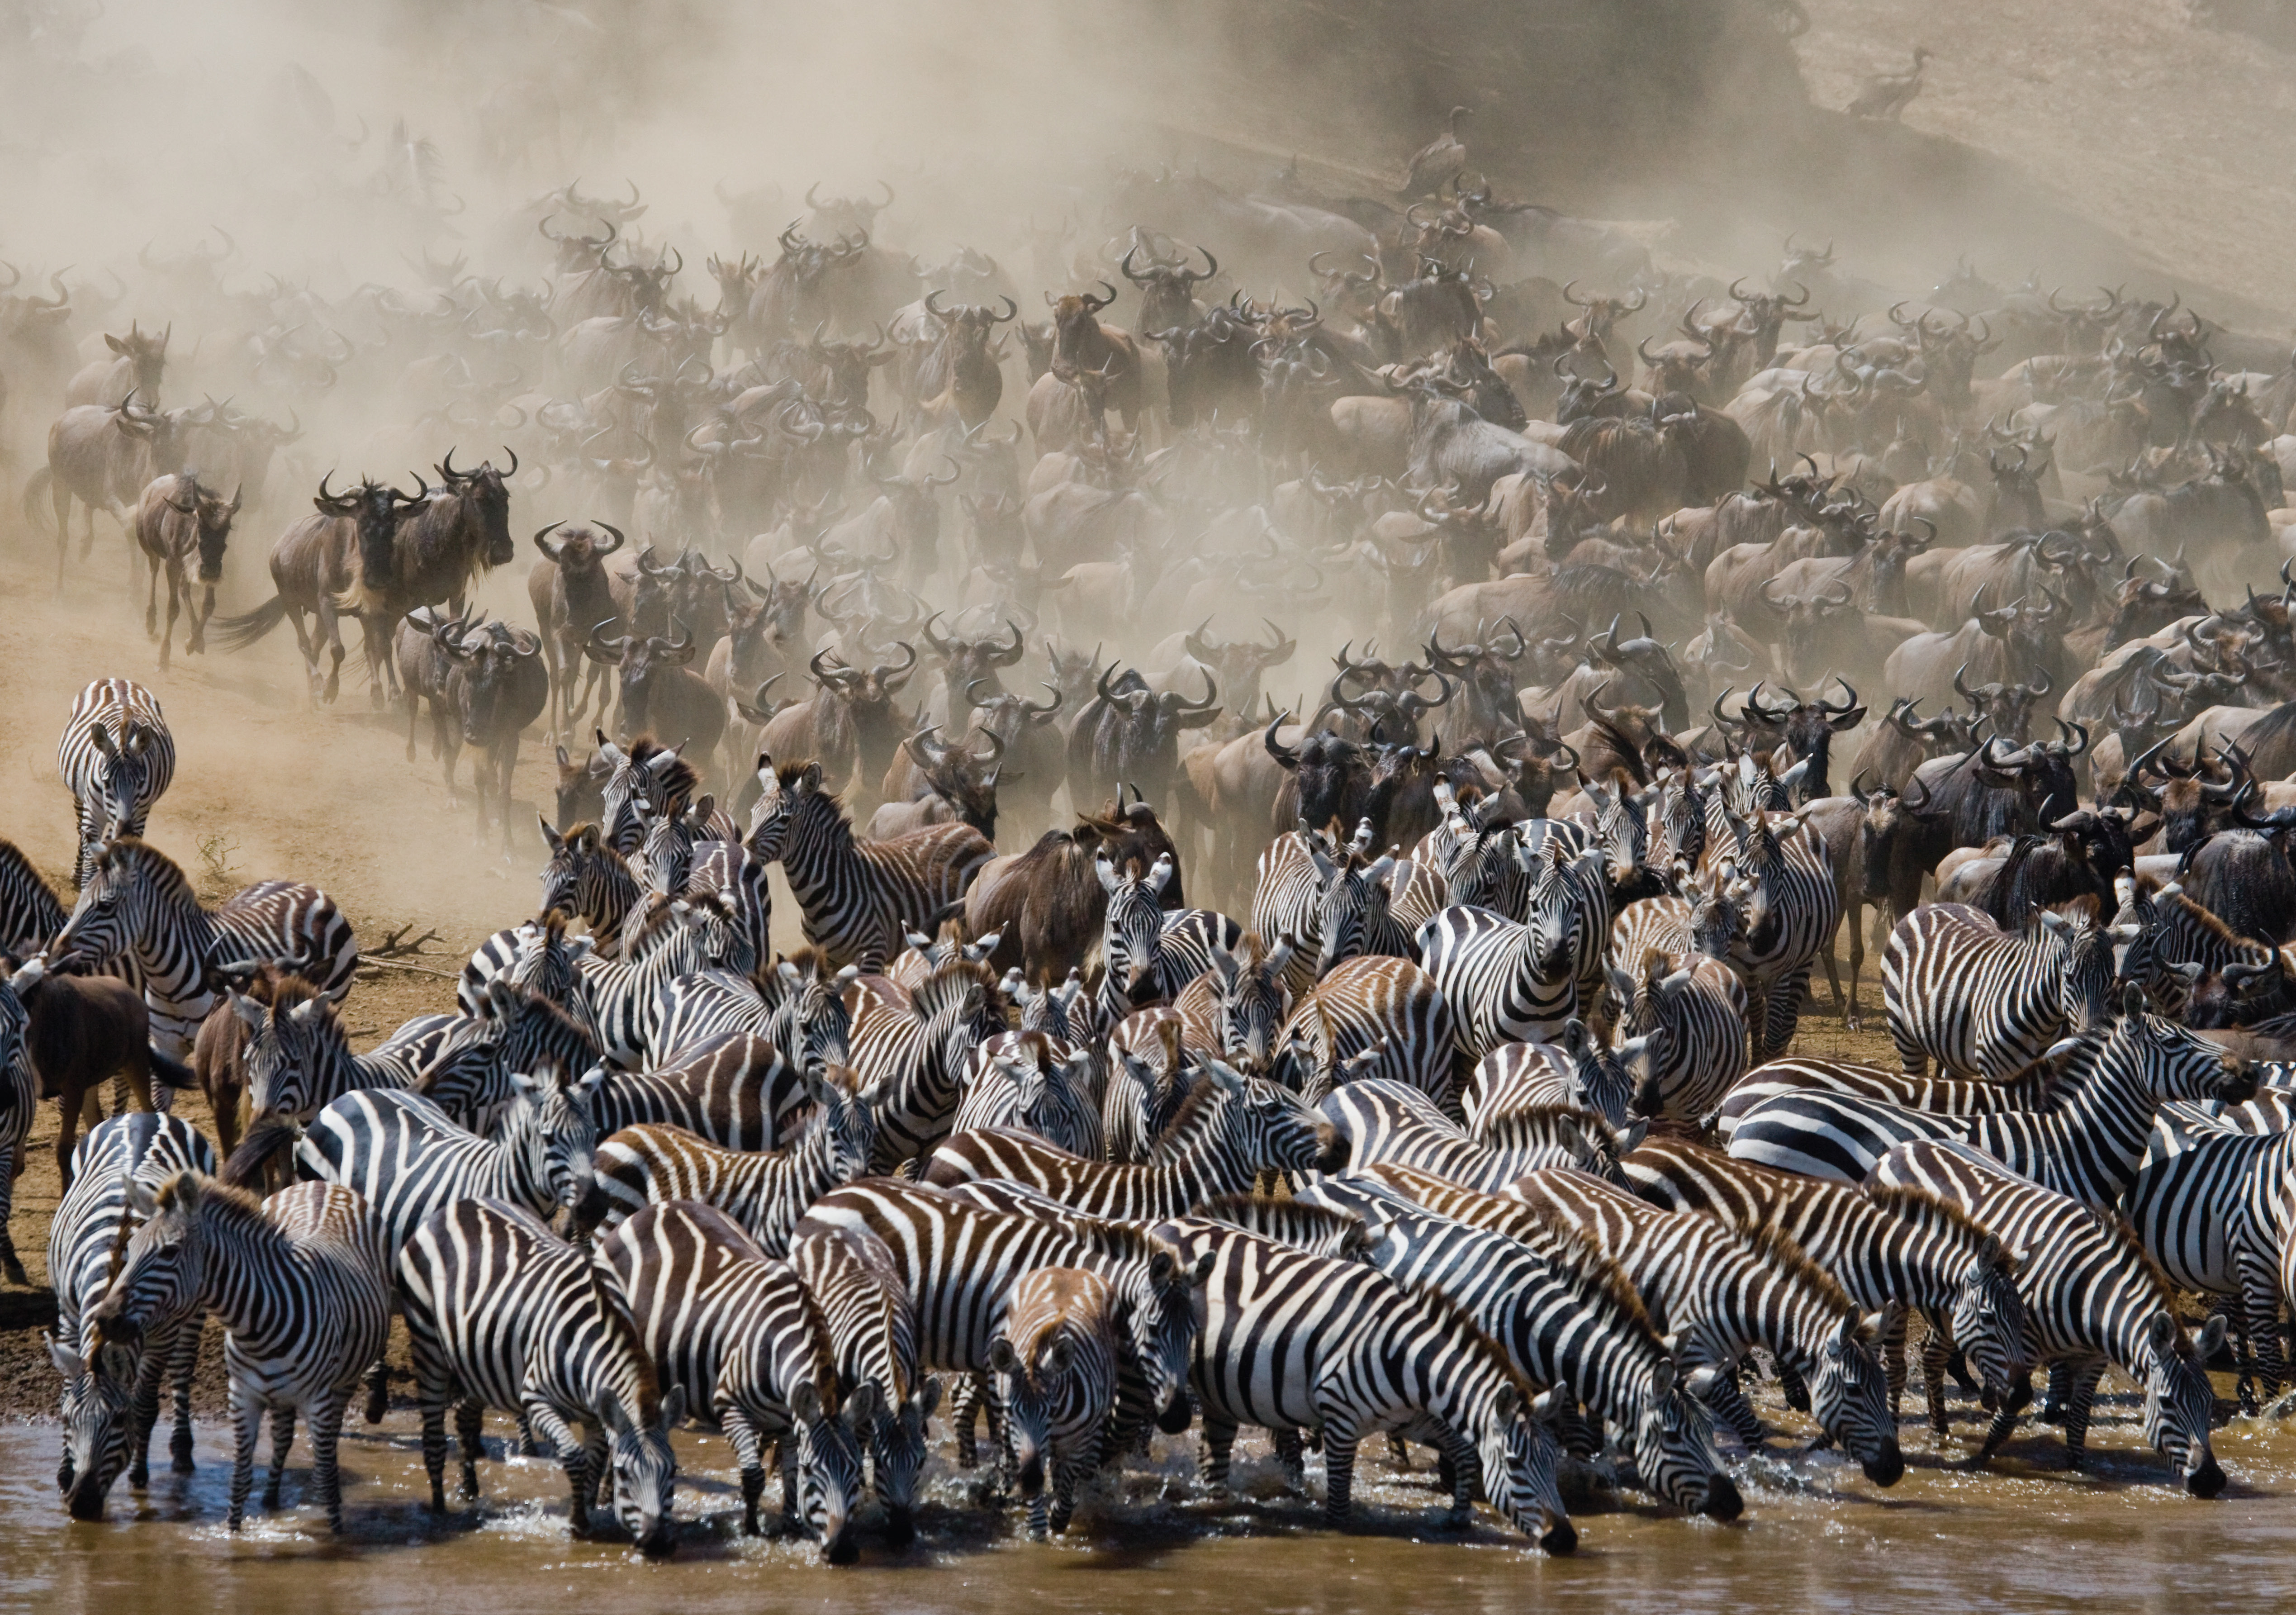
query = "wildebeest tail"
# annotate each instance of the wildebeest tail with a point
(36, 500)
(238, 633)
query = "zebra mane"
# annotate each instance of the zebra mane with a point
(586, 839)
(663, 914)
(1916, 1204)
(1528, 1124)
(211, 1190)
(1778, 1248)
(1198, 1114)
(2209, 922)
(532, 1002)
(289, 992)
(947, 986)
(1318, 1230)
(163, 872)
(676, 778)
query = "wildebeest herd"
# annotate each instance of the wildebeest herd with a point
(1416, 1059)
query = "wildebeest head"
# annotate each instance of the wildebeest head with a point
(960, 776)
(213, 513)
(2007, 707)
(972, 661)
(637, 661)
(1236, 665)
(490, 659)
(1167, 286)
(485, 503)
(148, 354)
(374, 507)
(580, 554)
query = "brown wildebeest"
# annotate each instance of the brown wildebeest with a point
(83, 1029)
(313, 565)
(177, 518)
(572, 598)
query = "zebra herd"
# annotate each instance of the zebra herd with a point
(1493, 1143)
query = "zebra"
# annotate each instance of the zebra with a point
(2086, 1142)
(802, 1011)
(2214, 1215)
(302, 1283)
(873, 1332)
(2092, 1298)
(1882, 1246)
(298, 1059)
(734, 1331)
(1506, 982)
(765, 1194)
(1148, 953)
(1576, 1070)
(1354, 908)
(912, 1060)
(628, 995)
(138, 903)
(1963, 991)
(1381, 1006)
(1594, 864)
(1144, 1090)
(110, 1402)
(30, 913)
(117, 758)
(1719, 1291)
(535, 953)
(734, 1089)
(19, 1102)
(1054, 1360)
(1231, 1128)
(960, 1260)
(1030, 1082)
(1236, 1009)
(1789, 918)
(1287, 904)
(2031, 1089)
(726, 869)
(649, 774)
(857, 900)
(1294, 1341)
(1380, 1121)
(1566, 1317)
(503, 1314)
(1685, 1014)
(587, 879)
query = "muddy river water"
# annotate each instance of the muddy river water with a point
(1815, 1535)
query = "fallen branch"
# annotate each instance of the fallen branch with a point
(396, 945)
(420, 970)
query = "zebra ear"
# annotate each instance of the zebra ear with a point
(1703, 1383)
(1002, 1357)
(2132, 1001)
(860, 1407)
(1106, 870)
(929, 1399)
(2211, 1338)
(1991, 1253)
(528, 1089)
(673, 1408)
(556, 842)
(1160, 875)
(804, 1401)
(2055, 923)
(1630, 1137)
(2160, 1331)
(69, 1363)
(1663, 1377)
(1574, 1030)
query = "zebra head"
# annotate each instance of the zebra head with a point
(1252, 1000)
(1717, 909)
(580, 868)
(114, 906)
(1551, 920)
(1354, 898)
(1157, 1304)
(1131, 936)
(2085, 968)
(1027, 1386)
(2171, 1062)
(829, 1465)
(849, 1127)
(294, 1045)
(99, 1419)
(1604, 1083)
(550, 1127)
(164, 1270)
(1521, 1458)
(1270, 1129)
(1989, 1318)
(783, 791)
(897, 1443)
(1674, 1445)
(2180, 1404)
(643, 1468)
(1849, 1398)
(123, 772)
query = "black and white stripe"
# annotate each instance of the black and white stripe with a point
(117, 758)
(1375, 1016)
(1389, 1122)
(1032, 1082)
(1981, 1003)
(1507, 982)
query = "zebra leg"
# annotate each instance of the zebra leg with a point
(144, 1402)
(1338, 1474)
(573, 1456)
(1290, 1452)
(2082, 1393)
(2060, 1393)
(964, 1405)
(1893, 1362)
(1783, 1011)
(1727, 1403)
(470, 1428)
(247, 1429)
(326, 1431)
(1219, 1447)
(527, 1446)
(432, 1390)
(1936, 1347)
(282, 1440)
(742, 1436)
(1791, 1385)
(378, 1391)
(2260, 1302)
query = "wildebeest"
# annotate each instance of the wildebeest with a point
(497, 684)
(659, 692)
(571, 602)
(177, 520)
(312, 564)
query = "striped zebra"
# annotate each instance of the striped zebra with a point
(2092, 1298)
(1294, 1341)
(30, 912)
(1981, 1003)
(588, 880)
(138, 905)
(1148, 953)
(857, 900)
(2031, 1089)
(912, 1060)
(1231, 1128)
(1385, 1007)
(628, 995)
(1287, 904)
(734, 1331)
(734, 1089)
(1594, 864)
(117, 758)
(2214, 1215)
(1379, 1121)
(1882, 1246)
(1708, 917)
(873, 1333)
(2086, 1142)
(724, 868)
(652, 775)
(1032, 1083)
(301, 1282)
(1053, 1363)
(1686, 1012)
(960, 1262)
(503, 1314)
(1714, 1290)
(110, 1401)
(19, 1102)
(296, 1057)
(799, 1008)
(1576, 1070)
(1789, 918)
(764, 1193)
(1504, 982)
(1145, 1087)
(535, 954)
(1354, 907)
(1566, 1317)
(1236, 1009)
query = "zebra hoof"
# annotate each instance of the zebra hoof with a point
(270, 1499)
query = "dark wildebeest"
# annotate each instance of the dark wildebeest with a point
(1168, 295)
(312, 565)
(497, 684)
(441, 540)
(83, 1030)
(1046, 905)
(104, 455)
(571, 602)
(947, 785)
(761, 635)
(1082, 343)
(661, 693)
(136, 368)
(177, 519)
(1127, 734)
(851, 725)
(960, 371)
(1807, 727)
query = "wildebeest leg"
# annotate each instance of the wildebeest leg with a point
(414, 709)
(508, 766)
(446, 741)
(151, 604)
(195, 643)
(60, 497)
(330, 630)
(175, 606)
(1852, 1020)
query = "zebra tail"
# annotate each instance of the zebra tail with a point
(172, 1071)
(238, 633)
(249, 1163)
